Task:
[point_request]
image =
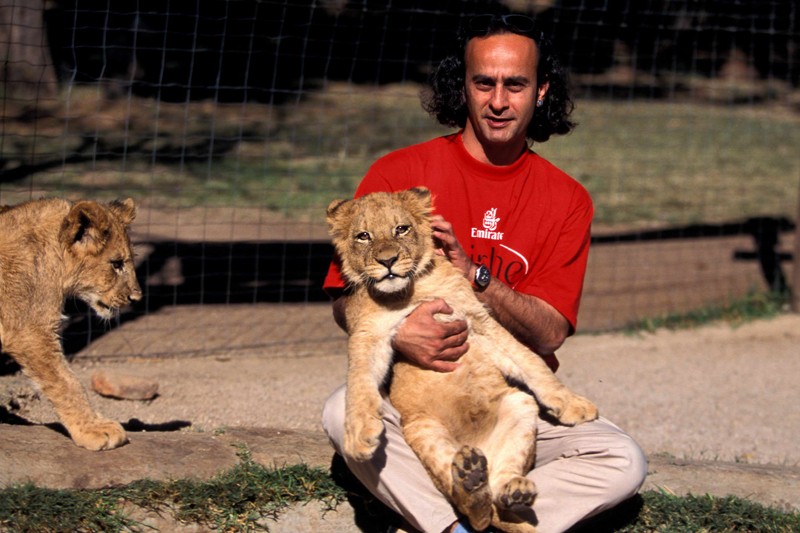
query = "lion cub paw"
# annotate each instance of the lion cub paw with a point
(99, 434)
(362, 437)
(471, 491)
(470, 470)
(577, 411)
(517, 494)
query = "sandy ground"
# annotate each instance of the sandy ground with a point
(717, 392)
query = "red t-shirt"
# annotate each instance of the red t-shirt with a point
(528, 222)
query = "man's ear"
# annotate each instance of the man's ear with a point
(86, 228)
(541, 91)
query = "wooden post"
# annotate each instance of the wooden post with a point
(795, 286)
(27, 71)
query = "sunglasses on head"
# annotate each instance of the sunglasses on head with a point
(520, 24)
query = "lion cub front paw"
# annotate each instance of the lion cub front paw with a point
(99, 434)
(577, 411)
(362, 437)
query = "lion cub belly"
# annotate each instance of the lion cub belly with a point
(465, 400)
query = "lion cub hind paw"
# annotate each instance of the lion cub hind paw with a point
(99, 435)
(470, 469)
(518, 494)
(361, 440)
(578, 411)
(471, 492)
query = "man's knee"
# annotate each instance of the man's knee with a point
(630, 468)
(333, 417)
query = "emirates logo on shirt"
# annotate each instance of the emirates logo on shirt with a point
(490, 221)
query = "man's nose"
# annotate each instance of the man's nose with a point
(499, 101)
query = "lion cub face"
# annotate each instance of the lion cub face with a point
(99, 251)
(383, 239)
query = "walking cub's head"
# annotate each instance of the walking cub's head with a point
(99, 255)
(384, 240)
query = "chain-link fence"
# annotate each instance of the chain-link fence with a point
(234, 123)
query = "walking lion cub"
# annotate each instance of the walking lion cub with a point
(473, 429)
(51, 249)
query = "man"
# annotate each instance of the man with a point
(503, 208)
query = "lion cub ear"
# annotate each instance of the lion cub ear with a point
(124, 209)
(336, 209)
(419, 197)
(86, 227)
(423, 193)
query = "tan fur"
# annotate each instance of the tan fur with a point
(472, 430)
(51, 249)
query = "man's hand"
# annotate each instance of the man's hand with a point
(449, 246)
(432, 344)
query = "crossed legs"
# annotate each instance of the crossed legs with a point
(579, 471)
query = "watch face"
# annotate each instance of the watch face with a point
(482, 276)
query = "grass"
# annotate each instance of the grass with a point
(659, 163)
(249, 496)
(646, 163)
(655, 511)
(245, 498)
(752, 306)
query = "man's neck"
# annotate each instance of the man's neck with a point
(498, 155)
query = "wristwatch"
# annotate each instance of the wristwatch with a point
(482, 277)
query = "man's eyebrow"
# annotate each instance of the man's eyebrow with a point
(511, 79)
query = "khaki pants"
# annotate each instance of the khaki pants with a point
(579, 471)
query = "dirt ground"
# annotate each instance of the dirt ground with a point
(716, 393)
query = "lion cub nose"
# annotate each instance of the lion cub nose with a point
(387, 261)
(135, 295)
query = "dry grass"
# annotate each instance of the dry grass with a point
(646, 163)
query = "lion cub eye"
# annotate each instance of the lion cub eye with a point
(399, 231)
(118, 264)
(363, 237)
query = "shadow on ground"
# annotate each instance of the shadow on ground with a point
(238, 272)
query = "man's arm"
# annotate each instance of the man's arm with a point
(533, 321)
(420, 337)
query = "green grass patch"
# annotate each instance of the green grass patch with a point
(244, 498)
(249, 497)
(668, 163)
(752, 306)
(655, 511)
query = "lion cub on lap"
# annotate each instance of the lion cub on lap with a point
(51, 249)
(473, 431)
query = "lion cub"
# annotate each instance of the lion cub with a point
(51, 249)
(472, 430)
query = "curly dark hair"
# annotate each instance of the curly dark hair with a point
(445, 100)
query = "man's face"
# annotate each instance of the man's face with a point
(501, 90)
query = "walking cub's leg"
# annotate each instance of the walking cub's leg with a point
(50, 371)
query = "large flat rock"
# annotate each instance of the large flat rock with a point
(44, 456)
(47, 458)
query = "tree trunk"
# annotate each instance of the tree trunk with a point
(27, 68)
